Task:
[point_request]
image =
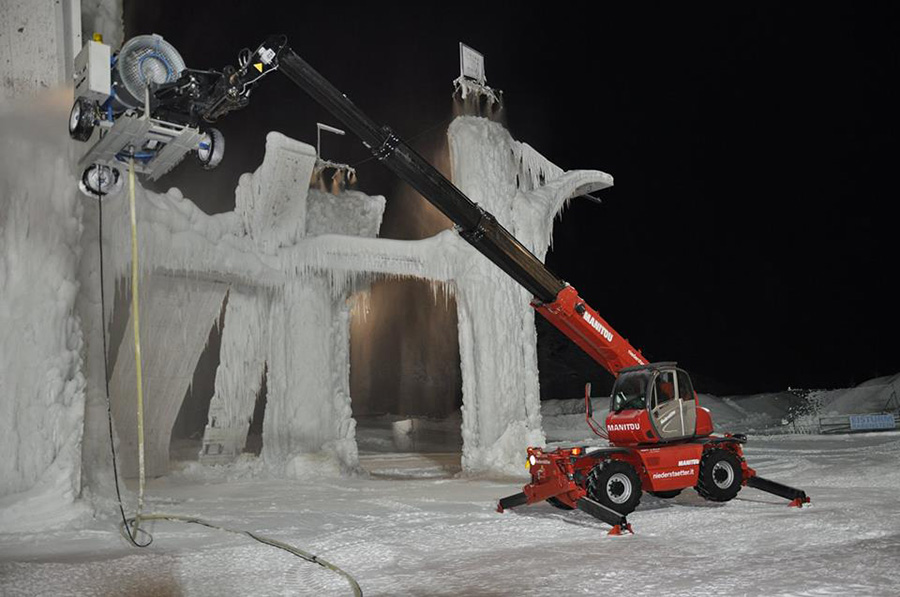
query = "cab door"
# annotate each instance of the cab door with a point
(672, 405)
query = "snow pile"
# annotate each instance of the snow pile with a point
(875, 395)
(41, 380)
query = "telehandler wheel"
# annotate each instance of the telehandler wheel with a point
(556, 503)
(616, 485)
(666, 494)
(720, 475)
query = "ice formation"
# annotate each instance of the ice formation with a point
(289, 258)
(42, 383)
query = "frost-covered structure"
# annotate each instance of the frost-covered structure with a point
(286, 312)
(280, 270)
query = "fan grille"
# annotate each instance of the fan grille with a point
(148, 59)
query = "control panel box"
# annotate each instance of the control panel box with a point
(92, 72)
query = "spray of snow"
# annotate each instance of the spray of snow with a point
(41, 381)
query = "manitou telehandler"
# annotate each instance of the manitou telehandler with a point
(660, 438)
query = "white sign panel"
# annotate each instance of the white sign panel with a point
(471, 63)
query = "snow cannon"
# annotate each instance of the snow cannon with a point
(138, 106)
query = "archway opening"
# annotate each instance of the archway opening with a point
(405, 378)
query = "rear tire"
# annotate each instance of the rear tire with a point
(616, 485)
(720, 475)
(556, 503)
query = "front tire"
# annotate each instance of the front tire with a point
(720, 476)
(82, 119)
(616, 485)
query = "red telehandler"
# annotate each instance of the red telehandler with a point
(660, 438)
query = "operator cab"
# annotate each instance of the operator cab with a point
(654, 403)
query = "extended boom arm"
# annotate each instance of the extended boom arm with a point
(553, 298)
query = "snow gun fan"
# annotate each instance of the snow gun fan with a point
(143, 105)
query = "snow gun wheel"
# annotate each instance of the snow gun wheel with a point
(666, 495)
(99, 181)
(211, 149)
(720, 475)
(616, 485)
(81, 119)
(556, 503)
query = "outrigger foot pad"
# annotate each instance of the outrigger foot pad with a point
(798, 497)
(798, 503)
(512, 501)
(619, 529)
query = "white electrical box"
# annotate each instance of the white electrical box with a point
(92, 72)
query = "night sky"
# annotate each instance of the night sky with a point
(750, 234)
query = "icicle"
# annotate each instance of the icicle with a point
(465, 87)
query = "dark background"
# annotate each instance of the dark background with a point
(751, 231)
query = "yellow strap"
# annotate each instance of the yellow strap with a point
(137, 342)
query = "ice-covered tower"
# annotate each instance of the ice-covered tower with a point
(497, 338)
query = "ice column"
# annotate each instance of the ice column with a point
(242, 362)
(308, 405)
(497, 338)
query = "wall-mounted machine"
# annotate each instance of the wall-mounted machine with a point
(139, 103)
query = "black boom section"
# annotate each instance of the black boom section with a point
(598, 510)
(476, 226)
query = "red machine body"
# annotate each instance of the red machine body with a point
(660, 439)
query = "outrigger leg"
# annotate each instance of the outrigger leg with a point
(616, 520)
(512, 501)
(798, 497)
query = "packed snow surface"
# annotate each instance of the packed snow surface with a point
(437, 534)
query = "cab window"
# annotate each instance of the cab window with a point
(630, 391)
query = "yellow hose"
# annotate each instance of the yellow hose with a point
(137, 343)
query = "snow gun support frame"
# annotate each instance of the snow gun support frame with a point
(660, 437)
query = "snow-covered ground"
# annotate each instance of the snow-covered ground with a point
(413, 528)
